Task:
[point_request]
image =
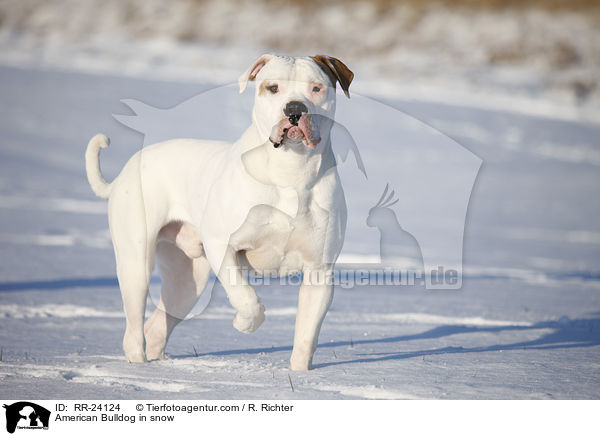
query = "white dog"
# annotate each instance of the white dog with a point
(272, 200)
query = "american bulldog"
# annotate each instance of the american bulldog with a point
(271, 201)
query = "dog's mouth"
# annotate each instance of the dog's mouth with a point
(296, 129)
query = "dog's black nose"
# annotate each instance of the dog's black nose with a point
(294, 110)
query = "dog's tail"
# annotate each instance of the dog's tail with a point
(92, 165)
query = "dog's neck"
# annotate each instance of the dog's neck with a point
(291, 165)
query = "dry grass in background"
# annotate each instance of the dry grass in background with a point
(549, 46)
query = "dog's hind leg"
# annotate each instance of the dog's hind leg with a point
(183, 281)
(135, 245)
(134, 268)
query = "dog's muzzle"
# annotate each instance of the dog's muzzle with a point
(297, 125)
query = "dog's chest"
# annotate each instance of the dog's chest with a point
(284, 238)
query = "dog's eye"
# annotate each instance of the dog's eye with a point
(316, 88)
(273, 89)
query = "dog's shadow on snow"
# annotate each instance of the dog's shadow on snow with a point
(563, 334)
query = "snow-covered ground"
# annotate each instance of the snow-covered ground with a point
(525, 324)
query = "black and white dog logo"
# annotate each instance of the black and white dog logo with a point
(26, 415)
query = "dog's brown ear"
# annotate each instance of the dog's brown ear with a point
(336, 70)
(252, 72)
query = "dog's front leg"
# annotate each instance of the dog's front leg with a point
(314, 300)
(250, 311)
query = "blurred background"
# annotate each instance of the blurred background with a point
(541, 57)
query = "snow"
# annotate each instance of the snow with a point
(54, 310)
(524, 325)
(53, 204)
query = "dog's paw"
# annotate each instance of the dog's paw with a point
(155, 354)
(134, 348)
(300, 366)
(301, 362)
(136, 357)
(247, 322)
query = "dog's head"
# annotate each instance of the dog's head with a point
(295, 97)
